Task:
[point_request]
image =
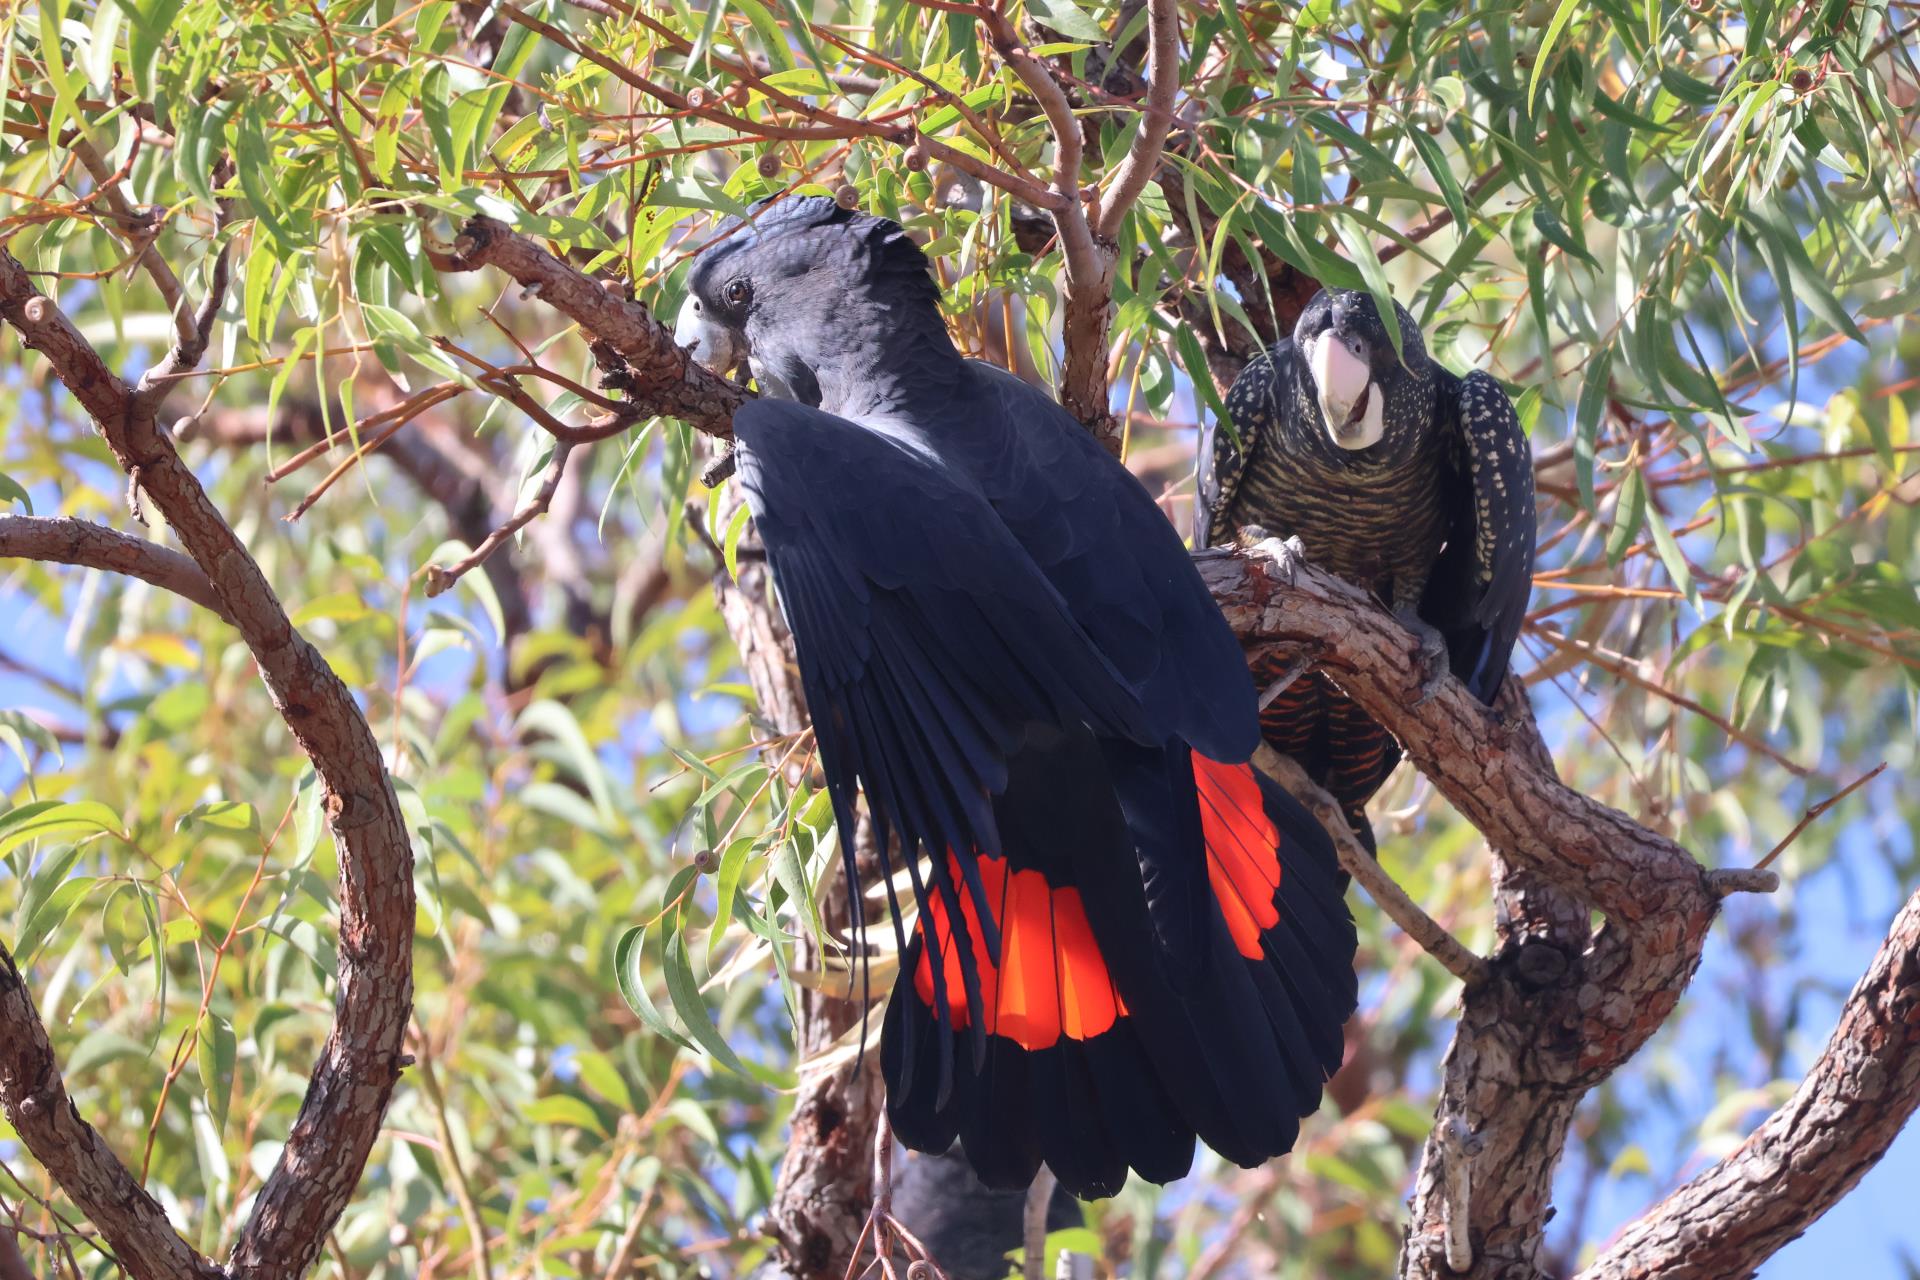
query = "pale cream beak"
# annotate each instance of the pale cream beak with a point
(713, 345)
(1349, 400)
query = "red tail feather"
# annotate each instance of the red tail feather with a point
(1242, 864)
(1051, 980)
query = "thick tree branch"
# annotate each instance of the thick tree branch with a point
(1485, 765)
(95, 546)
(38, 1107)
(1866, 1084)
(826, 1178)
(1559, 1012)
(327, 1148)
(664, 378)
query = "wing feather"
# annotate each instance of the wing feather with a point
(1478, 592)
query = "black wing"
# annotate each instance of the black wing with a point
(1254, 401)
(927, 638)
(1478, 592)
(1112, 554)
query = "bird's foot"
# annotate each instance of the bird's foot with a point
(883, 1238)
(1431, 654)
(1288, 554)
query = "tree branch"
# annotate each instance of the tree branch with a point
(1356, 862)
(40, 1111)
(1090, 259)
(665, 379)
(1809, 1153)
(441, 579)
(327, 1148)
(1156, 120)
(1484, 765)
(94, 546)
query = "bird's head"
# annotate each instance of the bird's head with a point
(1357, 380)
(809, 295)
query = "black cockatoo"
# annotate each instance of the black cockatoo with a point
(1394, 474)
(1126, 937)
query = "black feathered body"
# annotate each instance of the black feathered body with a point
(1125, 937)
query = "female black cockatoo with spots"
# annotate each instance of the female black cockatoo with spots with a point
(1396, 475)
(1124, 937)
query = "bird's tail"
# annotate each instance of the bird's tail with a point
(1112, 1038)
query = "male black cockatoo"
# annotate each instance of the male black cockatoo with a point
(1125, 937)
(1394, 474)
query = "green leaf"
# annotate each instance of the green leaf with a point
(49, 916)
(1592, 407)
(1360, 248)
(684, 991)
(1195, 361)
(561, 1108)
(217, 1052)
(1436, 162)
(556, 722)
(12, 491)
(1672, 557)
(1628, 515)
(45, 818)
(1561, 16)
(1067, 18)
(627, 955)
(220, 815)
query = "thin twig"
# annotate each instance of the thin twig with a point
(462, 1187)
(1624, 669)
(441, 580)
(1813, 813)
(1400, 908)
(191, 347)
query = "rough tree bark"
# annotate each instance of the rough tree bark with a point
(1551, 1022)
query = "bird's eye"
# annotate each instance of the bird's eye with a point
(738, 293)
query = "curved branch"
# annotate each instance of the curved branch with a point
(41, 1112)
(327, 1149)
(1487, 766)
(1809, 1153)
(94, 546)
(1090, 259)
